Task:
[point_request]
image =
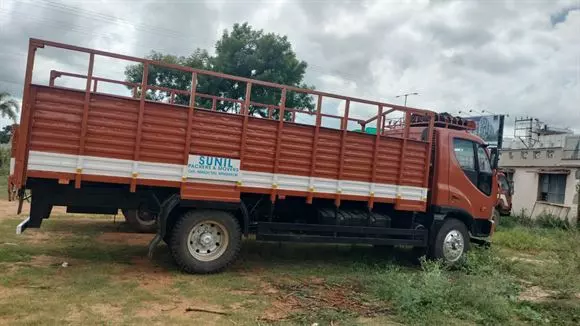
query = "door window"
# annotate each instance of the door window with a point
(465, 156)
(484, 171)
(475, 163)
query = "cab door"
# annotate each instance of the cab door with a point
(471, 186)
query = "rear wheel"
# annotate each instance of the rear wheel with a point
(205, 241)
(451, 242)
(141, 220)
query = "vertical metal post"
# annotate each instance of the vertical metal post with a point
(402, 160)
(430, 149)
(246, 113)
(282, 111)
(52, 78)
(344, 128)
(375, 158)
(21, 157)
(314, 150)
(187, 147)
(137, 153)
(84, 124)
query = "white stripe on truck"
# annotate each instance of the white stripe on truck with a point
(112, 167)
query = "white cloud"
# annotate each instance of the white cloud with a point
(521, 58)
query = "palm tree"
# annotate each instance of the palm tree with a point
(8, 106)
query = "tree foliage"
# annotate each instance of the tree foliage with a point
(8, 107)
(243, 52)
(5, 134)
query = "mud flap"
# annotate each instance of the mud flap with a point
(22, 226)
(166, 207)
(39, 210)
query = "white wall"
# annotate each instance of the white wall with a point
(571, 183)
(525, 190)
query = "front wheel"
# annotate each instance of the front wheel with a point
(451, 242)
(205, 241)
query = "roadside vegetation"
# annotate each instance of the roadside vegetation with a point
(92, 270)
(84, 270)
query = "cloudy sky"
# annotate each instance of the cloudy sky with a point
(512, 57)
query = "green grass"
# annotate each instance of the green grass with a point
(110, 282)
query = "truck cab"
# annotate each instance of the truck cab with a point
(464, 180)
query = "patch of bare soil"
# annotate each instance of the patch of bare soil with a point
(7, 292)
(536, 294)
(112, 312)
(197, 313)
(9, 209)
(126, 238)
(530, 259)
(40, 237)
(315, 294)
(147, 274)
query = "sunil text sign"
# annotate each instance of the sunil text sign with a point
(214, 168)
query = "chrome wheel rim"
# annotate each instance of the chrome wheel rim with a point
(453, 246)
(207, 240)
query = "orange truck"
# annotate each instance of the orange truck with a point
(211, 176)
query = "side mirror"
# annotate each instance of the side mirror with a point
(494, 157)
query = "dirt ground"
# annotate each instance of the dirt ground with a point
(84, 269)
(110, 256)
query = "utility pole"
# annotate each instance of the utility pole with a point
(406, 95)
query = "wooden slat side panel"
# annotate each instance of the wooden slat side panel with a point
(414, 169)
(328, 154)
(210, 192)
(216, 134)
(260, 145)
(388, 161)
(56, 120)
(358, 157)
(111, 127)
(162, 146)
(296, 150)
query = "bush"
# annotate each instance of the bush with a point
(547, 221)
(481, 293)
(4, 160)
(552, 222)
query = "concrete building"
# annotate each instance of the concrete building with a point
(545, 174)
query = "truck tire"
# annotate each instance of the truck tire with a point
(451, 242)
(141, 221)
(205, 241)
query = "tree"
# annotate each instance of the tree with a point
(8, 106)
(5, 134)
(242, 52)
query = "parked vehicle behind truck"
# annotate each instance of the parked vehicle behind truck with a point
(505, 194)
(211, 176)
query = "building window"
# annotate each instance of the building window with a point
(511, 155)
(550, 153)
(524, 155)
(552, 188)
(537, 155)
